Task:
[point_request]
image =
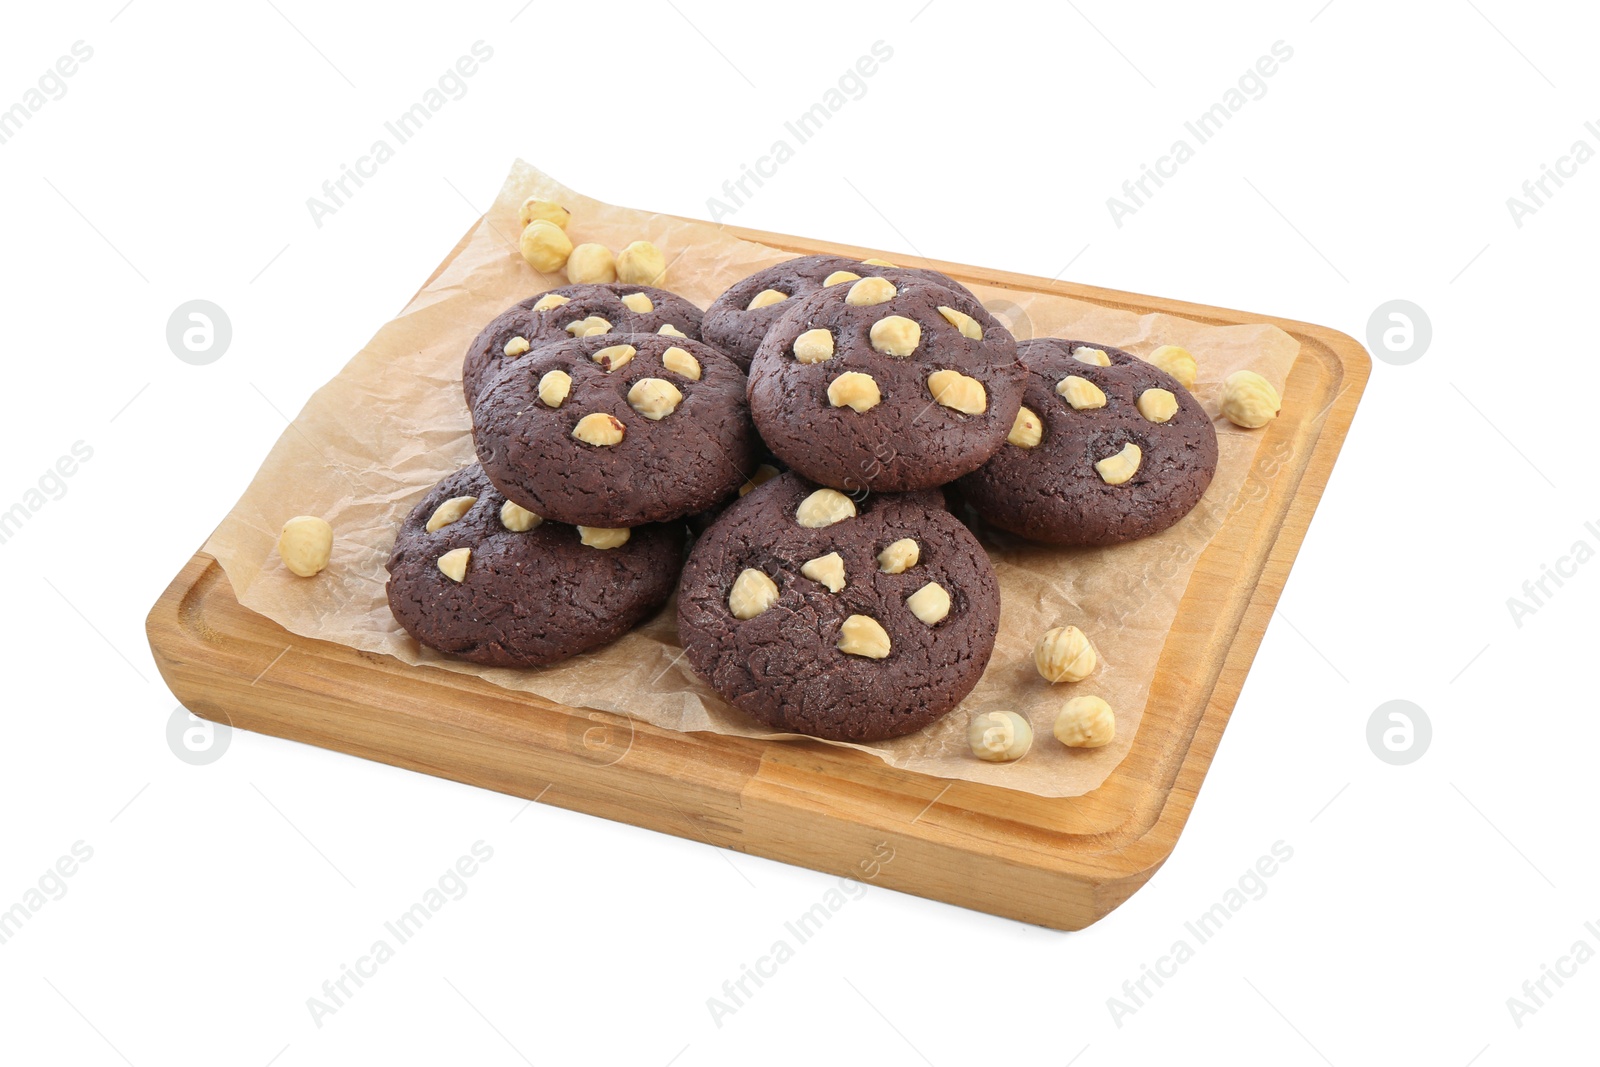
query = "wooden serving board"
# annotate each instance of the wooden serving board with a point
(1062, 862)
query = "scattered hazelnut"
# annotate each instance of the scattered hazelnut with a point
(1157, 405)
(955, 390)
(854, 390)
(899, 557)
(517, 518)
(453, 564)
(824, 508)
(1085, 722)
(598, 428)
(545, 246)
(860, 635)
(654, 398)
(829, 570)
(305, 545)
(999, 736)
(814, 346)
(516, 347)
(591, 264)
(763, 474)
(1176, 362)
(679, 361)
(896, 335)
(450, 511)
(962, 321)
(537, 208)
(752, 593)
(766, 298)
(638, 303)
(1114, 470)
(1081, 393)
(869, 291)
(581, 327)
(930, 603)
(554, 387)
(1064, 654)
(614, 357)
(1095, 357)
(877, 263)
(641, 263)
(1249, 400)
(671, 330)
(1026, 429)
(840, 276)
(551, 300)
(604, 537)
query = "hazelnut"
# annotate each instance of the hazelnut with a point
(829, 570)
(814, 346)
(854, 390)
(1249, 400)
(671, 330)
(824, 508)
(999, 736)
(962, 321)
(955, 390)
(679, 361)
(930, 603)
(840, 276)
(638, 303)
(545, 246)
(453, 564)
(1157, 405)
(1176, 362)
(614, 357)
(516, 346)
(752, 593)
(869, 291)
(1026, 429)
(450, 511)
(591, 264)
(641, 263)
(598, 428)
(654, 398)
(1081, 393)
(305, 545)
(554, 387)
(896, 335)
(604, 537)
(581, 327)
(899, 557)
(1114, 470)
(517, 518)
(763, 474)
(551, 300)
(1064, 654)
(537, 208)
(877, 263)
(860, 635)
(766, 298)
(1095, 357)
(1085, 722)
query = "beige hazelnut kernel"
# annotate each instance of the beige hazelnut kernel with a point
(840, 276)
(896, 335)
(641, 263)
(752, 593)
(814, 346)
(931, 603)
(869, 291)
(545, 246)
(829, 570)
(450, 511)
(1114, 470)
(854, 390)
(614, 357)
(516, 518)
(1157, 405)
(604, 537)
(1095, 357)
(581, 327)
(955, 390)
(638, 303)
(763, 474)
(654, 398)
(671, 330)
(516, 346)
(1026, 429)
(551, 300)
(679, 361)
(999, 736)
(598, 428)
(899, 557)
(824, 508)
(554, 386)
(962, 321)
(1085, 722)
(766, 298)
(305, 544)
(537, 208)
(591, 264)
(861, 635)
(877, 262)
(1064, 654)
(1249, 400)
(1081, 393)
(1177, 362)
(453, 564)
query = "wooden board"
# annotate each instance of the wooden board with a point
(1061, 862)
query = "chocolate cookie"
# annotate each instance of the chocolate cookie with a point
(738, 319)
(616, 429)
(1099, 455)
(476, 577)
(567, 312)
(884, 386)
(817, 616)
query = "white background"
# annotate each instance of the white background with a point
(1377, 166)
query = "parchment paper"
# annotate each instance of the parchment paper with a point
(392, 423)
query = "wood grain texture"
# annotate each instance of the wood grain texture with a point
(1061, 863)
